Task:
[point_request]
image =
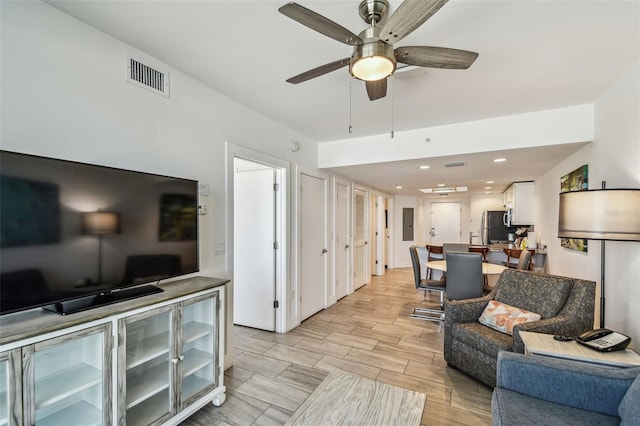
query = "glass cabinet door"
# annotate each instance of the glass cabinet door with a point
(147, 354)
(199, 342)
(10, 388)
(69, 379)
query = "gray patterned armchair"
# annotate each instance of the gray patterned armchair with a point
(565, 304)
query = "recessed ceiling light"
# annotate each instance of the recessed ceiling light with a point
(424, 167)
(441, 184)
(489, 181)
(487, 187)
(398, 186)
(499, 160)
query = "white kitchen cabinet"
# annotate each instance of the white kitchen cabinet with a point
(168, 362)
(520, 196)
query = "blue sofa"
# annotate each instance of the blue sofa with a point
(536, 390)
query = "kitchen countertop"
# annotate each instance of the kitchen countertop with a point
(502, 246)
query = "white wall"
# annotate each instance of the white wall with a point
(64, 95)
(542, 128)
(401, 248)
(614, 156)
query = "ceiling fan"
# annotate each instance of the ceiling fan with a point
(374, 58)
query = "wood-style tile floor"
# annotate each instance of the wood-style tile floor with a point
(368, 333)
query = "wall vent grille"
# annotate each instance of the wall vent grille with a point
(457, 164)
(147, 77)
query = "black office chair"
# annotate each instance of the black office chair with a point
(426, 284)
(464, 275)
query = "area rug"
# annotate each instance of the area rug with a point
(345, 399)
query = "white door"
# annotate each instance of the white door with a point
(360, 232)
(389, 234)
(343, 249)
(313, 245)
(445, 223)
(254, 280)
(380, 234)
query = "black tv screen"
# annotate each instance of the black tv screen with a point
(71, 231)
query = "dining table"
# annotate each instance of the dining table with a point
(487, 268)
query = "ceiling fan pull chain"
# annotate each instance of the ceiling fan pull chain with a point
(350, 109)
(393, 101)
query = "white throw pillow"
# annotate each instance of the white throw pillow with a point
(503, 317)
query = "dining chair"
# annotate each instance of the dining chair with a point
(425, 285)
(524, 260)
(434, 253)
(483, 252)
(464, 275)
(460, 247)
(513, 258)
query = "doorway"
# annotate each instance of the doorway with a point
(313, 243)
(445, 223)
(254, 255)
(360, 232)
(342, 250)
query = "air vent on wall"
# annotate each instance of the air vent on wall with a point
(147, 77)
(458, 164)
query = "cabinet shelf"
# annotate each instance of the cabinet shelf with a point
(62, 384)
(80, 414)
(195, 360)
(143, 386)
(192, 385)
(147, 411)
(139, 352)
(195, 330)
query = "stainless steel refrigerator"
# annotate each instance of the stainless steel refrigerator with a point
(493, 228)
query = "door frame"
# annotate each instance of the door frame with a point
(294, 299)
(282, 234)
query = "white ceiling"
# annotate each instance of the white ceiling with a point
(534, 55)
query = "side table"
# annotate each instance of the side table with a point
(546, 345)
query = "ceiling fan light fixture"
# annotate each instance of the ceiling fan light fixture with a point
(372, 61)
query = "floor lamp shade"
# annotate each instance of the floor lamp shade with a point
(604, 214)
(99, 223)
(601, 214)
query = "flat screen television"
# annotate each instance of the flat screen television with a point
(75, 235)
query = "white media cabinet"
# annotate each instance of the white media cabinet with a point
(152, 360)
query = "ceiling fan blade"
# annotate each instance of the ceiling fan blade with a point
(435, 57)
(409, 16)
(317, 72)
(377, 89)
(319, 23)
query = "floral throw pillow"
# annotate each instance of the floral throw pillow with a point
(503, 317)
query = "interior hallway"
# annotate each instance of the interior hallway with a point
(368, 333)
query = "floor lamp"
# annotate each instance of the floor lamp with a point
(100, 223)
(602, 214)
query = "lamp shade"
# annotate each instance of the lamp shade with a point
(606, 214)
(101, 223)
